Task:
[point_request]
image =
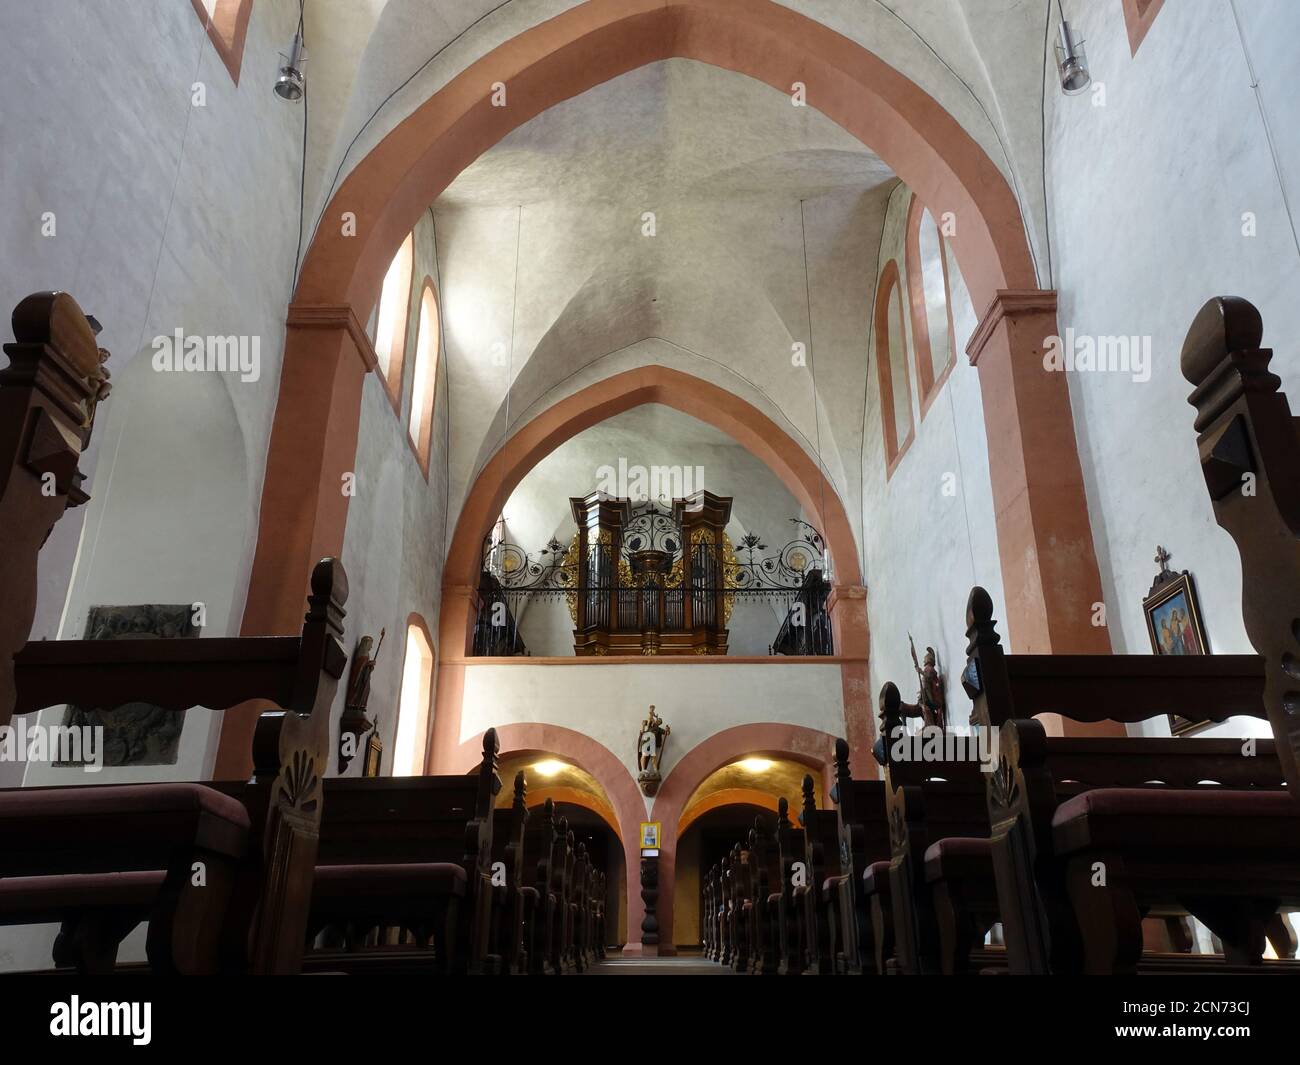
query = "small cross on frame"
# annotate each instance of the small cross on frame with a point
(1162, 558)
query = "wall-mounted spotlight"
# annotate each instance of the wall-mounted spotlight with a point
(291, 84)
(1071, 60)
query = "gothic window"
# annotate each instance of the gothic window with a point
(930, 297)
(891, 365)
(394, 319)
(415, 702)
(424, 386)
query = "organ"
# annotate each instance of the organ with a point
(661, 590)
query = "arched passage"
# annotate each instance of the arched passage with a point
(595, 759)
(795, 742)
(1045, 541)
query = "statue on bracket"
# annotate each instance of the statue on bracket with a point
(650, 751)
(930, 698)
(354, 724)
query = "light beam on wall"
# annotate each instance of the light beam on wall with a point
(755, 765)
(549, 767)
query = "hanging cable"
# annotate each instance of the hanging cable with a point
(812, 370)
(445, 364)
(514, 310)
(302, 178)
(1268, 129)
(1042, 104)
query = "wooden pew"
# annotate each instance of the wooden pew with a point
(599, 894)
(941, 868)
(820, 901)
(413, 853)
(549, 841)
(863, 834)
(579, 906)
(1187, 825)
(257, 841)
(1250, 457)
(785, 907)
(513, 899)
(568, 961)
(767, 878)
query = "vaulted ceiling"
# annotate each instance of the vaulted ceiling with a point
(767, 217)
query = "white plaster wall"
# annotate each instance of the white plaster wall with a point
(101, 132)
(926, 548)
(608, 701)
(1147, 195)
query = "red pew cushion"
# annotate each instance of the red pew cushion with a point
(875, 880)
(90, 829)
(958, 857)
(1174, 818)
(30, 899)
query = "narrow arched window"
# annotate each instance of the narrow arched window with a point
(415, 702)
(930, 297)
(394, 319)
(891, 365)
(226, 22)
(425, 384)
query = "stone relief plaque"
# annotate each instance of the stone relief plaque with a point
(136, 733)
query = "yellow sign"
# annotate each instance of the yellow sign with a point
(650, 835)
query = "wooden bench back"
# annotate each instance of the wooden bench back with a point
(54, 379)
(1088, 688)
(1250, 457)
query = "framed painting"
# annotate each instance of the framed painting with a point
(1173, 617)
(374, 753)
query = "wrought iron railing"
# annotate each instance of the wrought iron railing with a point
(613, 596)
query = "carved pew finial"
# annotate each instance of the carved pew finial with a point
(984, 677)
(521, 793)
(890, 705)
(981, 629)
(47, 393)
(809, 800)
(1250, 459)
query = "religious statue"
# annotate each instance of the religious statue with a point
(650, 751)
(930, 698)
(354, 724)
